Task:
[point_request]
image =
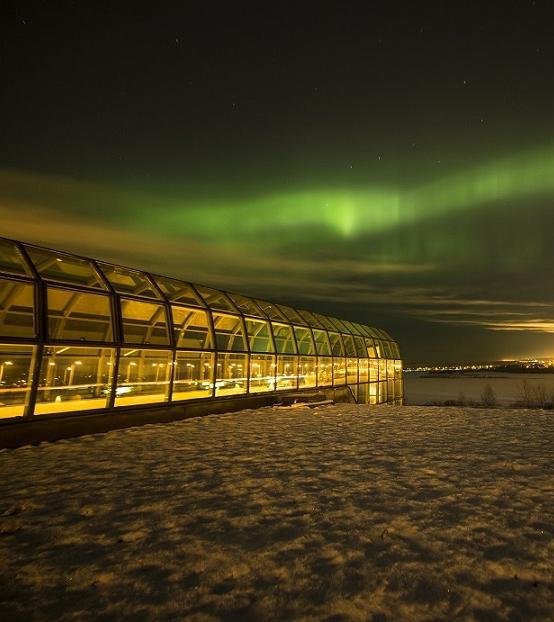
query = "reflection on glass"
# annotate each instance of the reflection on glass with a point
(373, 370)
(63, 268)
(284, 338)
(349, 345)
(74, 378)
(16, 369)
(324, 371)
(262, 373)
(382, 370)
(363, 393)
(322, 342)
(79, 316)
(287, 372)
(363, 370)
(143, 376)
(231, 374)
(193, 375)
(336, 344)
(192, 328)
(17, 308)
(144, 322)
(259, 335)
(229, 333)
(373, 393)
(307, 372)
(339, 371)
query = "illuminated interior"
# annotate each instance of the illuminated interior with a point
(82, 335)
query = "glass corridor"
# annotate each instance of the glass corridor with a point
(81, 335)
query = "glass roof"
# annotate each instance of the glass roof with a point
(11, 259)
(292, 315)
(246, 305)
(63, 268)
(128, 281)
(271, 310)
(215, 299)
(178, 291)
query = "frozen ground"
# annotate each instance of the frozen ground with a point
(339, 513)
(421, 388)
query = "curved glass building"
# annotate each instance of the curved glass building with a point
(83, 335)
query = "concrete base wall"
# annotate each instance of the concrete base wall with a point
(51, 428)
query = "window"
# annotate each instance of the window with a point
(324, 371)
(370, 347)
(322, 342)
(11, 259)
(271, 310)
(178, 291)
(373, 370)
(310, 318)
(361, 350)
(231, 374)
(16, 370)
(304, 340)
(143, 377)
(17, 302)
(287, 372)
(363, 370)
(62, 268)
(79, 316)
(192, 328)
(336, 344)
(215, 299)
(127, 281)
(193, 375)
(144, 322)
(262, 373)
(229, 333)
(307, 368)
(349, 345)
(246, 305)
(352, 371)
(339, 371)
(284, 338)
(398, 369)
(325, 321)
(292, 315)
(259, 335)
(74, 378)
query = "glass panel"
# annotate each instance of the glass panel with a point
(143, 377)
(144, 322)
(262, 373)
(363, 370)
(74, 378)
(246, 305)
(307, 366)
(352, 371)
(324, 371)
(321, 342)
(339, 371)
(304, 340)
(63, 268)
(382, 369)
(378, 350)
(259, 335)
(192, 328)
(398, 388)
(373, 370)
(362, 329)
(341, 326)
(17, 301)
(271, 310)
(231, 374)
(370, 348)
(349, 345)
(336, 344)
(363, 393)
(361, 350)
(287, 372)
(79, 316)
(16, 371)
(352, 327)
(373, 393)
(398, 369)
(292, 315)
(178, 291)
(127, 281)
(395, 349)
(229, 333)
(310, 318)
(387, 349)
(193, 375)
(382, 396)
(284, 338)
(325, 321)
(11, 259)
(215, 299)
(354, 390)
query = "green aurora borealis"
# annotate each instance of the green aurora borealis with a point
(397, 170)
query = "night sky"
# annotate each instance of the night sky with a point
(387, 162)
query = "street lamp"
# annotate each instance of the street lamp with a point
(9, 364)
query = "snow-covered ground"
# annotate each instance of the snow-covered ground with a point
(338, 513)
(421, 388)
